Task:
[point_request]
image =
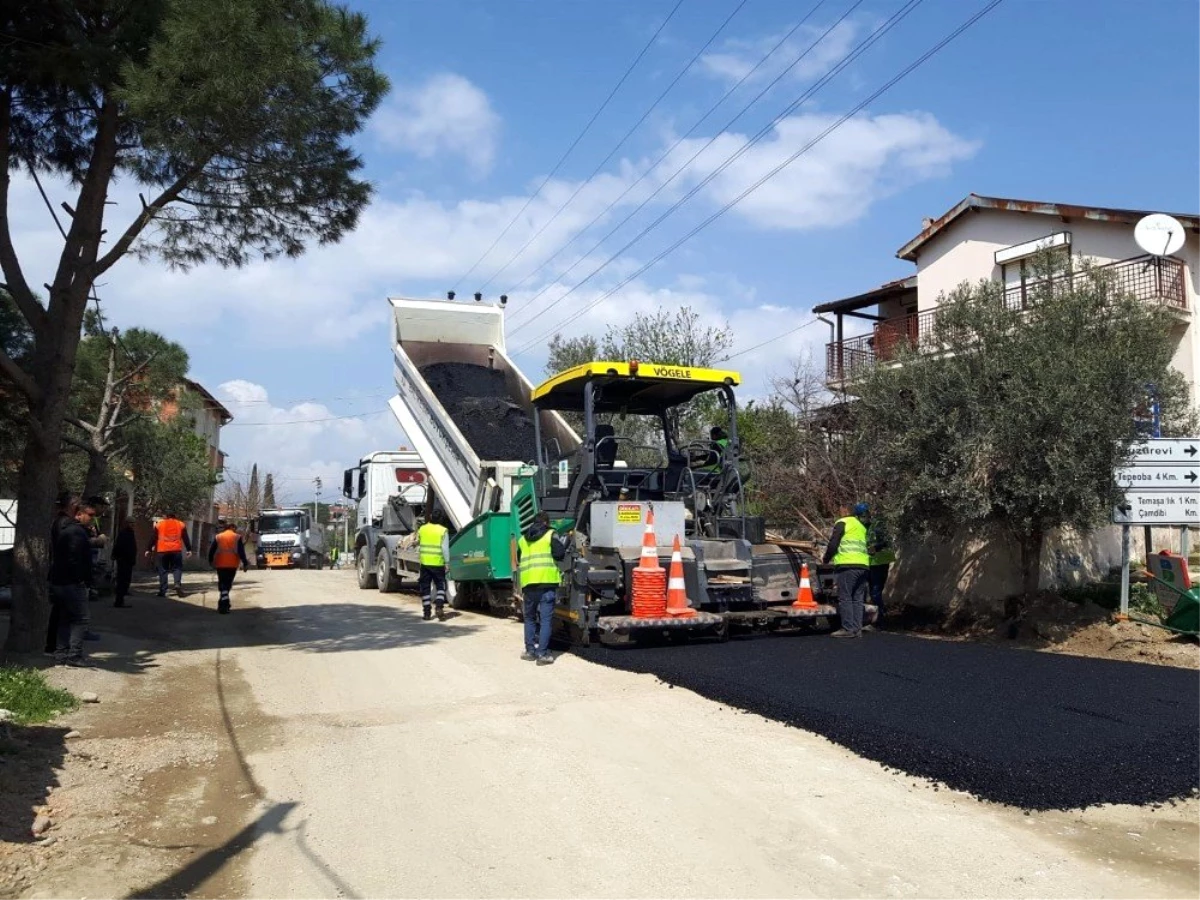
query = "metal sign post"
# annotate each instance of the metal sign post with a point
(1162, 487)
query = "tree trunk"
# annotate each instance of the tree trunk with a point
(55, 361)
(97, 473)
(1015, 608)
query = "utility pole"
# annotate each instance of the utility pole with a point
(316, 501)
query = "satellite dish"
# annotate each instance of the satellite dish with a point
(1159, 234)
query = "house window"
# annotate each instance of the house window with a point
(1017, 266)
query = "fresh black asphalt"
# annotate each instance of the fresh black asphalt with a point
(1034, 730)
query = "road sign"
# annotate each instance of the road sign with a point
(1149, 476)
(1167, 450)
(1157, 507)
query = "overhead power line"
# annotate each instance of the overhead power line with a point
(664, 155)
(574, 143)
(770, 340)
(760, 135)
(621, 143)
(374, 412)
(775, 171)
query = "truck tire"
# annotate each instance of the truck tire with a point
(385, 575)
(320, 562)
(366, 577)
(462, 595)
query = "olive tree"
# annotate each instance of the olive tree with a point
(1014, 416)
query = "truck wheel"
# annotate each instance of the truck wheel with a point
(385, 576)
(366, 578)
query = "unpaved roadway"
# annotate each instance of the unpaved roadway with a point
(340, 746)
(426, 759)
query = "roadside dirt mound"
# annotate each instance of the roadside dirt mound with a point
(478, 401)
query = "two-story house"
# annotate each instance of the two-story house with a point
(996, 238)
(209, 416)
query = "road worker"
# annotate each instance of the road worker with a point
(433, 548)
(172, 544)
(879, 545)
(228, 551)
(719, 440)
(847, 550)
(539, 552)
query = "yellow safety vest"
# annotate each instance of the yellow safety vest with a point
(537, 561)
(429, 541)
(852, 551)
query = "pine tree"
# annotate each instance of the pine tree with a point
(268, 501)
(253, 494)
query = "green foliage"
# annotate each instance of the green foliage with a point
(675, 338)
(268, 498)
(171, 468)
(25, 693)
(16, 337)
(1018, 417)
(254, 493)
(238, 108)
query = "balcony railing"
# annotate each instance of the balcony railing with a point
(1158, 280)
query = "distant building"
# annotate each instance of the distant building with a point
(210, 417)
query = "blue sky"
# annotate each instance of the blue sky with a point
(1078, 101)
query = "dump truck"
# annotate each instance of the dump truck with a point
(498, 450)
(390, 487)
(288, 539)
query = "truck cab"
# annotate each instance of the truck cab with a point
(289, 539)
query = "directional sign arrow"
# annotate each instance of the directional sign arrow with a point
(1190, 451)
(1191, 476)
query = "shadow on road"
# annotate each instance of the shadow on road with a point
(184, 882)
(30, 760)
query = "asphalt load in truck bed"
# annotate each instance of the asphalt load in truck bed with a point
(1033, 730)
(478, 402)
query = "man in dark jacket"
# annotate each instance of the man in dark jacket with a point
(539, 552)
(70, 579)
(64, 514)
(124, 554)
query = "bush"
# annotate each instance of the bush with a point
(24, 693)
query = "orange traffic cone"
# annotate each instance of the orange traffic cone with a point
(648, 592)
(649, 558)
(805, 599)
(677, 601)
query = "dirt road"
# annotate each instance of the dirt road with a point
(363, 753)
(426, 759)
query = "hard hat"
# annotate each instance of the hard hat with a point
(861, 509)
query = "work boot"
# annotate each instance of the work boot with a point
(121, 604)
(179, 590)
(426, 613)
(161, 594)
(545, 660)
(441, 613)
(843, 633)
(529, 656)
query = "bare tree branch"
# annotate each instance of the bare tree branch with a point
(19, 378)
(149, 211)
(18, 288)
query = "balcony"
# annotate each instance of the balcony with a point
(1155, 280)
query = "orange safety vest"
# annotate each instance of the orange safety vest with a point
(226, 556)
(170, 536)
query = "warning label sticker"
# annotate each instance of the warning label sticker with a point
(629, 513)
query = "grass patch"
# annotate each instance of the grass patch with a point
(24, 692)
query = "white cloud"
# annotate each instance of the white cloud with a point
(836, 181)
(300, 441)
(447, 114)
(737, 57)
